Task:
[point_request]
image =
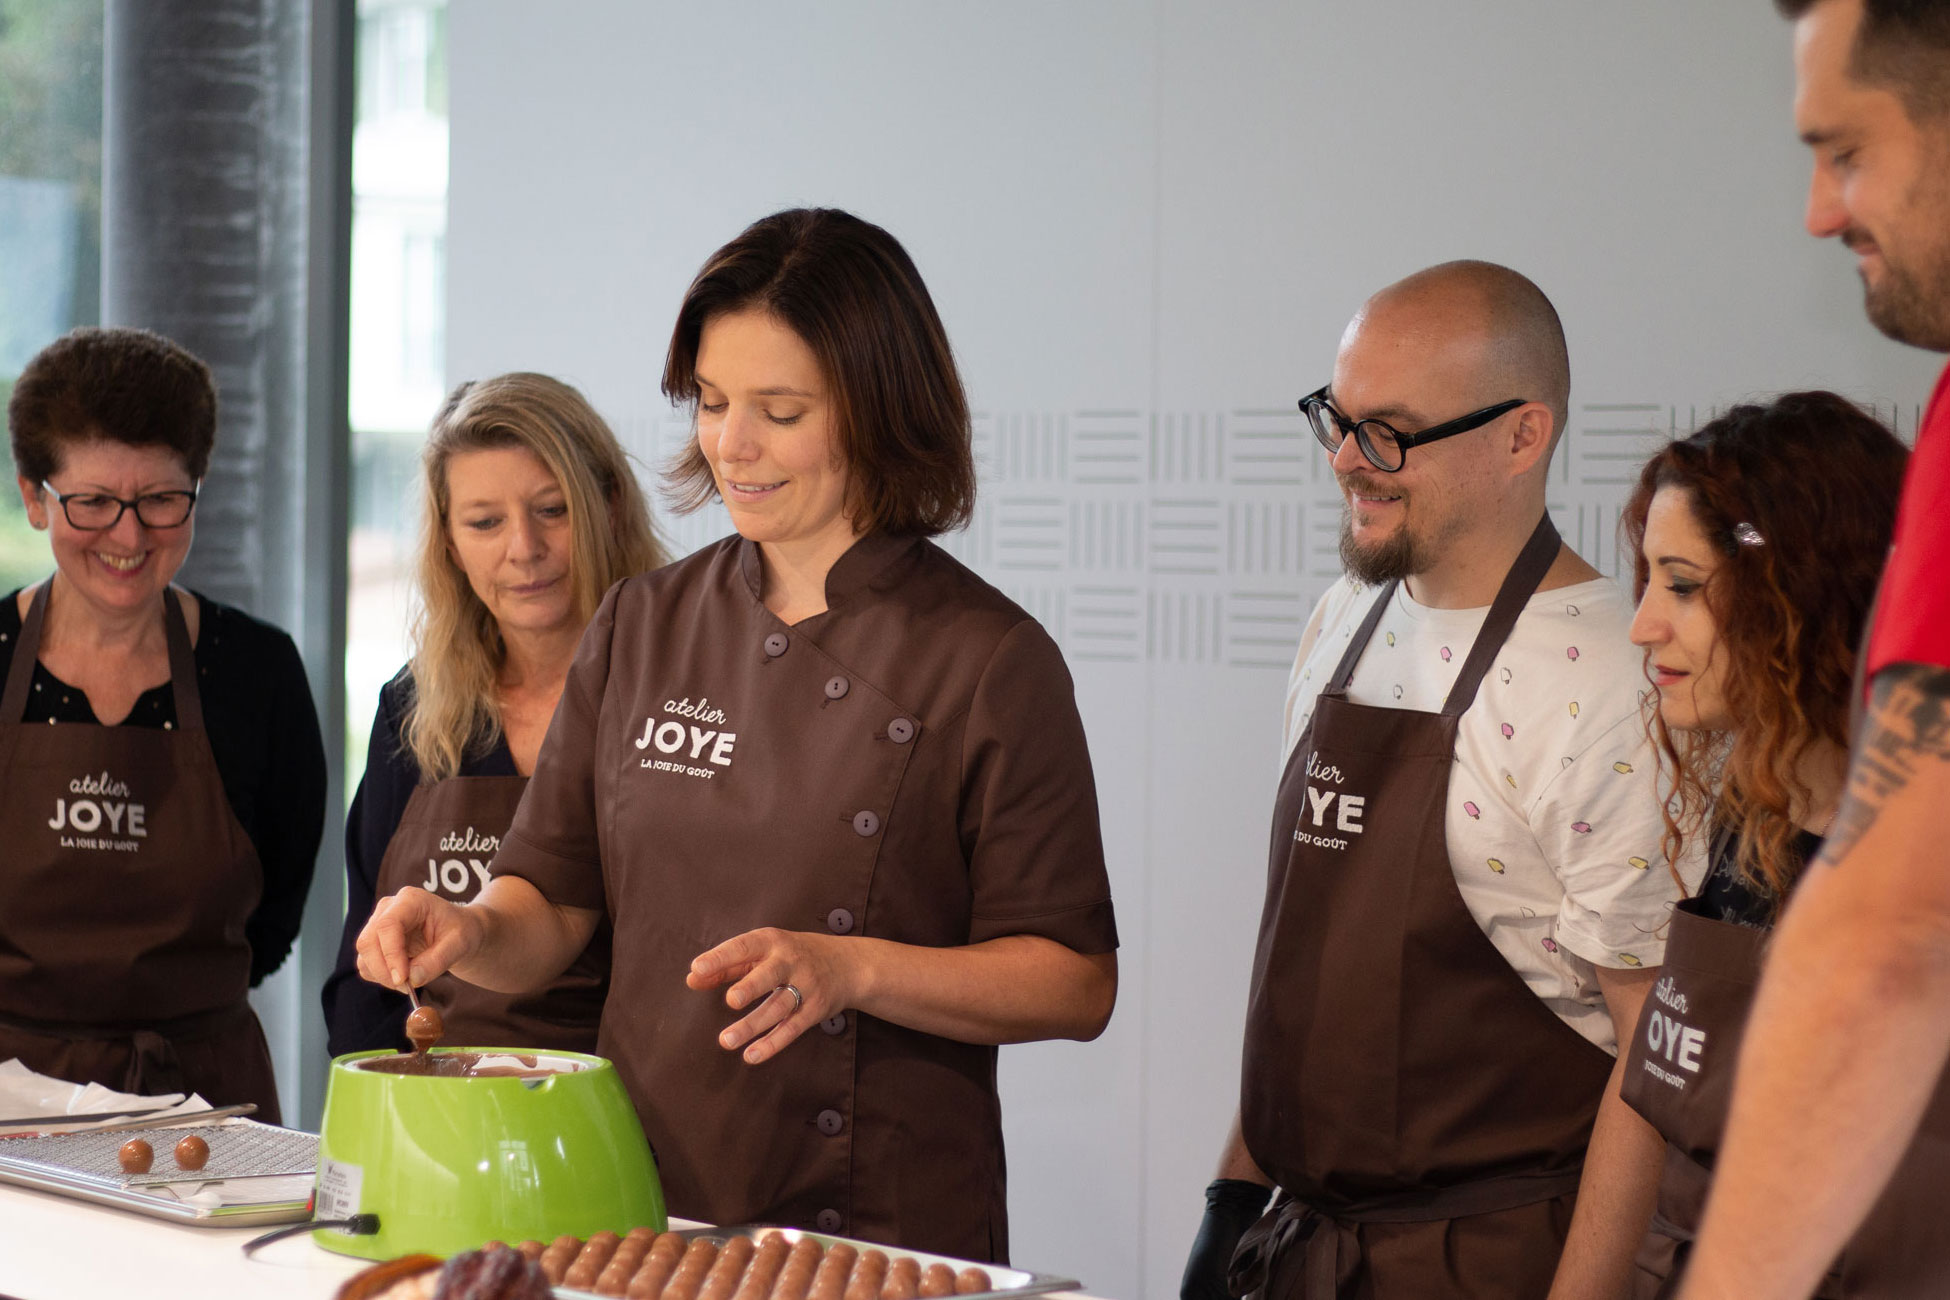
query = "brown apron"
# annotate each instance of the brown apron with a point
(1423, 1112)
(1679, 1075)
(126, 886)
(446, 837)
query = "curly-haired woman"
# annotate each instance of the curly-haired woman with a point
(1757, 542)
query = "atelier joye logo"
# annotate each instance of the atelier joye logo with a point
(98, 813)
(1332, 816)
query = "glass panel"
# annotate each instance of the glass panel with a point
(50, 209)
(399, 331)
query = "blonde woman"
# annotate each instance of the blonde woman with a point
(531, 513)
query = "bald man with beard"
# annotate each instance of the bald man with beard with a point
(1466, 891)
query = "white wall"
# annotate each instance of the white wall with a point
(1145, 224)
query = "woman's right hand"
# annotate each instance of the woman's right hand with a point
(414, 937)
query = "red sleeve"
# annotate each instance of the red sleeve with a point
(1913, 613)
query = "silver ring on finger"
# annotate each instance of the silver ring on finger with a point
(798, 998)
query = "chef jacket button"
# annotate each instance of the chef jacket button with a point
(834, 1024)
(839, 921)
(866, 822)
(837, 687)
(828, 1221)
(900, 731)
(775, 644)
(831, 1122)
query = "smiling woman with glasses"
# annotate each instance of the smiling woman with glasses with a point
(164, 774)
(1384, 446)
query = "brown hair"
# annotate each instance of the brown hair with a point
(122, 385)
(457, 646)
(1903, 44)
(848, 289)
(1816, 479)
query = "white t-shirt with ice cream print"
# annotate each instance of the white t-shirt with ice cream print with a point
(1553, 809)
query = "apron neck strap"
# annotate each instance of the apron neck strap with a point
(1519, 585)
(1344, 671)
(20, 673)
(182, 662)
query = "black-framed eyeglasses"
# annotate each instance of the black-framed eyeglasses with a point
(91, 512)
(1385, 446)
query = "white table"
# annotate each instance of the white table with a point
(58, 1248)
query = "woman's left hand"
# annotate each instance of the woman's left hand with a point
(760, 965)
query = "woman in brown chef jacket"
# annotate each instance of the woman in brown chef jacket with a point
(1757, 544)
(160, 835)
(830, 786)
(529, 513)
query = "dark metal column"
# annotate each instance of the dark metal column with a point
(226, 218)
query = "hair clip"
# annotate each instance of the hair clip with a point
(1748, 535)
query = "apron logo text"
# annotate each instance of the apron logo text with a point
(105, 806)
(469, 841)
(1346, 808)
(102, 785)
(1668, 993)
(451, 876)
(1678, 1043)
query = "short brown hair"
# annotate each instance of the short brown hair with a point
(848, 289)
(122, 385)
(1903, 44)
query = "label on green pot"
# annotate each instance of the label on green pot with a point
(338, 1189)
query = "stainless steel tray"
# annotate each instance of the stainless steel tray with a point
(84, 1165)
(1009, 1281)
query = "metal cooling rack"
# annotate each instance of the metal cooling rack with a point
(245, 1150)
(84, 1165)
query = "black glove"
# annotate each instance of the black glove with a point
(1232, 1205)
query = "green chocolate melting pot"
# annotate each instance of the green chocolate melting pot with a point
(448, 1160)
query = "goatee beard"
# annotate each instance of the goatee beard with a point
(1389, 560)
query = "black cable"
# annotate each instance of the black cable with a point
(359, 1225)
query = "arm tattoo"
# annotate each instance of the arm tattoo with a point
(1907, 728)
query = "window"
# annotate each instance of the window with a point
(50, 209)
(399, 332)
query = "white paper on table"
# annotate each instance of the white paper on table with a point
(281, 1190)
(23, 1093)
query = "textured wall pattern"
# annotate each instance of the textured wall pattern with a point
(1202, 537)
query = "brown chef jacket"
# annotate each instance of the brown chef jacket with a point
(908, 765)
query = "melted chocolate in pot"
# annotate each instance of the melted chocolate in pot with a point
(459, 1065)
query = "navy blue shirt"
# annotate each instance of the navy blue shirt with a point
(361, 1016)
(257, 710)
(1727, 895)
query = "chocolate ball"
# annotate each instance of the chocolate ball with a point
(424, 1028)
(192, 1153)
(136, 1156)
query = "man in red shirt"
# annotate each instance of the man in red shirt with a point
(1844, 1057)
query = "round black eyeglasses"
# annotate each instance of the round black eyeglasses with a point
(1384, 446)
